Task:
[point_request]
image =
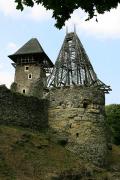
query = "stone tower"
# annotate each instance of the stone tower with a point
(77, 102)
(31, 64)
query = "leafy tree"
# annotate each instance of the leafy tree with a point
(113, 119)
(62, 9)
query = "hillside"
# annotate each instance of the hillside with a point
(27, 155)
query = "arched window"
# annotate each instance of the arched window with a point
(26, 68)
(29, 76)
(24, 91)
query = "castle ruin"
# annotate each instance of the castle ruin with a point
(76, 96)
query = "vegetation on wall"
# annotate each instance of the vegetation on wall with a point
(113, 119)
(62, 9)
(36, 89)
(19, 110)
(13, 87)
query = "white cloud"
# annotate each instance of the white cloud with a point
(6, 78)
(12, 47)
(38, 12)
(108, 24)
(8, 7)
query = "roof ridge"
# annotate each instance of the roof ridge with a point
(31, 46)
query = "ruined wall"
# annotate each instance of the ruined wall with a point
(78, 112)
(75, 112)
(19, 110)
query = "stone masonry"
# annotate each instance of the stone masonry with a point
(28, 84)
(76, 96)
(78, 112)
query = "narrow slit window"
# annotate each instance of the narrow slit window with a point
(85, 103)
(77, 134)
(29, 76)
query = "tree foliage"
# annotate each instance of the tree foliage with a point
(62, 9)
(113, 119)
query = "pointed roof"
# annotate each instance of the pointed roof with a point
(32, 47)
(73, 66)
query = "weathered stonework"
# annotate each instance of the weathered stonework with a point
(78, 112)
(22, 111)
(76, 101)
(31, 64)
(33, 86)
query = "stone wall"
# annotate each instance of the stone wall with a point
(19, 110)
(26, 85)
(78, 113)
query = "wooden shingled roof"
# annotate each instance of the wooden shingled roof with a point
(32, 47)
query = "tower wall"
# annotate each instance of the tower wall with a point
(79, 113)
(27, 85)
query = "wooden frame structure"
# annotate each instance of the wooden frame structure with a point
(73, 66)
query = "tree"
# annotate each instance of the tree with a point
(113, 119)
(62, 9)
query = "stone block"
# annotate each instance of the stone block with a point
(97, 111)
(79, 118)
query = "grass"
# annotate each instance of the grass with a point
(24, 154)
(27, 155)
(114, 158)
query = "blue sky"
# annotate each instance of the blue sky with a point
(101, 40)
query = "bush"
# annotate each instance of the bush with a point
(13, 87)
(113, 119)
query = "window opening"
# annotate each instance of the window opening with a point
(23, 91)
(85, 103)
(26, 68)
(77, 134)
(29, 76)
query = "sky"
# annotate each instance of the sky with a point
(101, 40)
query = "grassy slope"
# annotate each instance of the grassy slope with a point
(25, 155)
(28, 155)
